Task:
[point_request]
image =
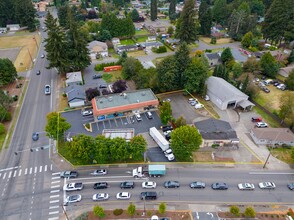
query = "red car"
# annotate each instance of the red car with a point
(256, 119)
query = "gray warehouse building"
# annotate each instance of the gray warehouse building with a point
(225, 95)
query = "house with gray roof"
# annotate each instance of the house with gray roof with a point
(224, 95)
(272, 136)
(218, 132)
(285, 71)
(213, 58)
(76, 96)
(126, 48)
(97, 48)
(149, 45)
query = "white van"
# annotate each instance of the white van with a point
(149, 115)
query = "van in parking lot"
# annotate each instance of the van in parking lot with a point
(149, 115)
(138, 117)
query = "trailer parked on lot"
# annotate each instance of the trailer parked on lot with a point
(159, 139)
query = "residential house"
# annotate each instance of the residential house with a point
(149, 45)
(13, 27)
(173, 41)
(3, 30)
(213, 58)
(151, 38)
(285, 71)
(98, 48)
(74, 78)
(272, 136)
(121, 48)
(115, 41)
(76, 96)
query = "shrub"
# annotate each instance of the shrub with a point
(5, 115)
(83, 216)
(162, 208)
(131, 209)
(213, 40)
(149, 213)
(249, 212)
(117, 212)
(2, 129)
(161, 49)
(235, 210)
(87, 125)
(208, 50)
(98, 211)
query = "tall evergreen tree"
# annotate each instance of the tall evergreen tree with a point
(269, 65)
(205, 18)
(153, 10)
(172, 9)
(219, 11)
(25, 13)
(186, 28)
(227, 55)
(135, 15)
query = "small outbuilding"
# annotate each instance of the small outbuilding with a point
(73, 78)
(13, 27)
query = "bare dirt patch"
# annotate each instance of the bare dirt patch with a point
(202, 156)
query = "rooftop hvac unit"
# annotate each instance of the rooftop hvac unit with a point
(143, 93)
(101, 101)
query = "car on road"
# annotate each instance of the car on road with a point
(72, 199)
(138, 117)
(73, 187)
(127, 185)
(47, 90)
(43, 56)
(35, 136)
(100, 185)
(267, 185)
(100, 196)
(197, 185)
(291, 186)
(38, 72)
(148, 195)
(171, 184)
(69, 174)
(87, 112)
(246, 186)
(149, 185)
(97, 76)
(219, 186)
(256, 119)
(123, 195)
(99, 172)
(261, 125)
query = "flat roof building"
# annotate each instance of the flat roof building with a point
(124, 102)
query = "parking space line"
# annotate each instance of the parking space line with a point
(31, 170)
(58, 181)
(36, 169)
(4, 175)
(9, 174)
(55, 218)
(55, 191)
(56, 173)
(56, 186)
(40, 170)
(55, 177)
(109, 123)
(54, 196)
(45, 168)
(54, 207)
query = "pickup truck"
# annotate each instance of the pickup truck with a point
(73, 186)
(69, 174)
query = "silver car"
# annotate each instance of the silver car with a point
(100, 196)
(246, 186)
(72, 199)
(267, 185)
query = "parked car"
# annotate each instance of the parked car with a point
(99, 172)
(267, 185)
(291, 186)
(281, 86)
(149, 115)
(100, 185)
(47, 90)
(169, 154)
(171, 184)
(198, 106)
(167, 132)
(265, 89)
(149, 185)
(102, 86)
(123, 195)
(97, 76)
(197, 185)
(246, 186)
(192, 100)
(100, 196)
(166, 128)
(138, 117)
(261, 125)
(219, 186)
(127, 185)
(35, 136)
(207, 98)
(69, 174)
(87, 112)
(193, 103)
(72, 199)
(256, 119)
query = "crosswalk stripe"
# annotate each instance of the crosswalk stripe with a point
(54, 207)
(54, 201)
(45, 169)
(36, 169)
(55, 191)
(9, 174)
(0, 175)
(19, 173)
(40, 170)
(55, 177)
(31, 170)
(26, 171)
(54, 174)
(52, 213)
(51, 167)
(4, 175)
(54, 218)
(14, 174)
(56, 186)
(54, 196)
(58, 181)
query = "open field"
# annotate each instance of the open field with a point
(136, 53)
(218, 41)
(142, 39)
(270, 100)
(142, 32)
(28, 48)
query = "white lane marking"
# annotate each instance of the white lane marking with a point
(53, 213)
(0, 175)
(270, 173)
(55, 177)
(54, 196)
(54, 201)
(10, 168)
(103, 177)
(56, 186)
(9, 174)
(14, 174)
(54, 218)
(58, 173)
(58, 181)
(31, 170)
(19, 173)
(55, 191)
(40, 170)
(4, 175)
(51, 167)
(36, 169)
(26, 171)
(45, 169)
(54, 207)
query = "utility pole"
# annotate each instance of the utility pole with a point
(30, 56)
(266, 160)
(36, 42)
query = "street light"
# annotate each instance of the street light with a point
(36, 42)
(144, 199)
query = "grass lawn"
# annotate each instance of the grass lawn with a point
(282, 154)
(27, 44)
(2, 138)
(62, 103)
(112, 76)
(142, 39)
(141, 32)
(127, 42)
(218, 41)
(136, 53)
(270, 100)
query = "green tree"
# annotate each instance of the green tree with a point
(186, 28)
(8, 72)
(172, 9)
(292, 154)
(205, 18)
(227, 55)
(153, 10)
(162, 208)
(135, 15)
(104, 35)
(137, 147)
(221, 71)
(220, 11)
(166, 72)
(186, 139)
(56, 126)
(181, 121)
(286, 112)
(245, 84)
(257, 7)
(165, 112)
(25, 13)
(5, 100)
(131, 209)
(99, 211)
(118, 150)
(289, 82)
(145, 78)
(249, 212)
(235, 210)
(131, 68)
(183, 60)
(170, 30)
(5, 115)
(247, 39)
(251, 65)
(237, 69)
(269, 65)
(62, 15)
(291, 57)
(102, 153)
